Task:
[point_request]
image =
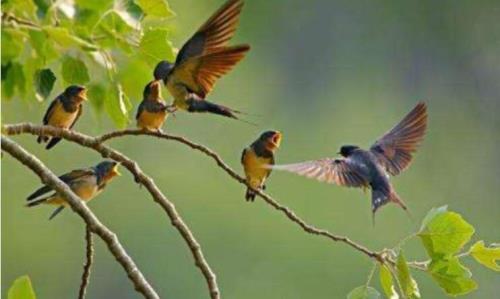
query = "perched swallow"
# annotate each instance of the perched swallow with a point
(256, 160)
(86, 183)
(203, 59)
(391, 154)
(64, 111)
(152, 111)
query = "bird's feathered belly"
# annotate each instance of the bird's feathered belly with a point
(61, 118)
(86, 191)
(255, 170)
(179, 93)
(151, 120)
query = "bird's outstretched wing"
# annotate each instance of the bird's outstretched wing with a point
(214, 33)
(200, 73)
(394, 150)
(68, 178)
(341, 172)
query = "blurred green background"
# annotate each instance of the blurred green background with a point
(325, 73)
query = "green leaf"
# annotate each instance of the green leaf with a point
(488, 256)
(74, 71)
(387, 283)
(21, 289)
(11, 46)
(408, 284)
(65, 39)
(155, 47)
(454, 278)
(21, 8)
(444, 233)
(14, 80)
(431, 214)
(364, 292)
(117, 106)
(97, 96)
(155, 8)
(44, 82)
(97, 5)
(43, 48)
(114, 29)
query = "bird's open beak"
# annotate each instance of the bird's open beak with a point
(83, 94)
(115, 170)
(276, 139)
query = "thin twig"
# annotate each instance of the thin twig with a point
(140, 177)
(109, 237)
(96, 143)
(88, 263)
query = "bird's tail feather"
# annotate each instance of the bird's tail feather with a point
(201, 106)
(37, 201)
(394, 197)
(53, 142)
(56, 211)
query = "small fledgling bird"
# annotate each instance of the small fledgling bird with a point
(203, 59)
(391, 154)
(152, 111)
(86, 183)
(63, 112)
(256, 160)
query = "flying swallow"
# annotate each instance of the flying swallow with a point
(256, 158)
(390, 154)
(203, 59)
(152, 111)
(86, 183)
(64, 111)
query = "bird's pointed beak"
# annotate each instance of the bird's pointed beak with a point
(83, 94)
(276, 139)
(115, 170)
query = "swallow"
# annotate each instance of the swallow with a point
(152, 111)
(203, 59)
(389, 155)
(256, 158)
(63, 112)
(86, 183)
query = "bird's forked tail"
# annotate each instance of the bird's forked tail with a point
(201, 106)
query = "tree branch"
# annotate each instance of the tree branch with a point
(97, 142)
(110, 238)
(140, 177)
(88, 263)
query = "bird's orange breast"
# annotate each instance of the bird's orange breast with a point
(151, 121)
(255, 168)
(60, 117)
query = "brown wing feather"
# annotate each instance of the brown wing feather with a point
(199, 74)
(332, 171)
(214, 33)
(394, 150)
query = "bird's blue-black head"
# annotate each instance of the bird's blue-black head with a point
(162, 70)
(106, 170)
(347, 150)
(271, 139)
(76, 92)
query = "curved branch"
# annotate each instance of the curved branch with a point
(140, 177)
(70, 135)
(88, 263)
(110, 238)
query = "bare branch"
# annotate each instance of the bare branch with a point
(88, 263)
(109, 237)
(29, 128)
(140, 177)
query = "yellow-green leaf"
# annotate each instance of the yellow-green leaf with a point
(65, 39)
(364, 292)
(117, 106)
(408, 284)
(454, 278)
(155, 8)
(488, 256)
(444, 233)
(387, 283)
(74, 71)
(155, 47)
(11, 46)
(21, 289)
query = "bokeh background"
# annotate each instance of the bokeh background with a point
(325, 73)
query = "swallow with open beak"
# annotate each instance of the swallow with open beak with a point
(256, 160)
(203, 59)
(152, 111)
(63, 112)
(389, 155)
(86, 183)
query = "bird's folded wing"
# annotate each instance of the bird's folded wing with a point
(67, 178)
(200, 73)
(50, 110)
(214, 33)
(394, 150)
(334, 171)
